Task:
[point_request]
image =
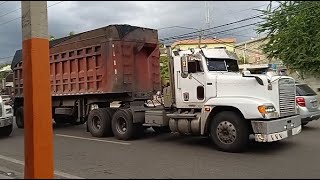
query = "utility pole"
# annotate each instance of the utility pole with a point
(38, 133)
(200, 36)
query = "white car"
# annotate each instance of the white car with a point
(6, 119)
(307, 103)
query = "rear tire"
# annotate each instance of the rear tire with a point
(99, 123)
(122, 125)
(6, 131)
(20, 117)
(229, 131)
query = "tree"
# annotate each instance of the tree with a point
(164, 68)
(294, 36)
(51, 38)
(71, 33)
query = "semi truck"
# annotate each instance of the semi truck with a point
(206, 96)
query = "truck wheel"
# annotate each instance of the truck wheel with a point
(5, 131)
(229, 132)
(122, 124)
(99, 123)
(19, 117)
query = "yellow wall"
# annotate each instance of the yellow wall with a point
(229, 46)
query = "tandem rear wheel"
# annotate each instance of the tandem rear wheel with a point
(123, 127)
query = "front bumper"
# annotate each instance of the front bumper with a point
(6, 121)
(275, 130)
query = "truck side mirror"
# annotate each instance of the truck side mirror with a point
(184, 67)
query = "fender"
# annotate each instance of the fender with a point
(248, 106)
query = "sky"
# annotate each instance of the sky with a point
(81, 16)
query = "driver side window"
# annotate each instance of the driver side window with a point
(194, 67)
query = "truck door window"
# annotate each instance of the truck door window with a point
(200, 92)
(194, 66)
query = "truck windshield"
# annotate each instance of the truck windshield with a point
(229, 65)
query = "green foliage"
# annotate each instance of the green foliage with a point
(164, 68)
(51, 38)
(72, 33)
(294, 36)
(3, 74)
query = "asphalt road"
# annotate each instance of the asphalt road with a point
(77, 154)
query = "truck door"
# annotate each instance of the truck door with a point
(193, 81)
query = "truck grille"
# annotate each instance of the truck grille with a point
(287, 93)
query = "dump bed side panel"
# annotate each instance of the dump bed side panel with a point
(113, 59)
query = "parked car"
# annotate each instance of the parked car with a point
(307, 103)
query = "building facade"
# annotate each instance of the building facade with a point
(228, 43)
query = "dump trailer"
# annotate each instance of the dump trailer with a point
(207, 96)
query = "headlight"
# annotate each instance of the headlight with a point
(268, 111)
(8, 111)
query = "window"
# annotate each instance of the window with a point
(304, 90)
(194, 66)
(229, 65)
(200, 92)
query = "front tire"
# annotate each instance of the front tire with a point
(6, 131)
(20, 117)
(229, 132)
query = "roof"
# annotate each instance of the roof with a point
(251, 41)
(204, 41)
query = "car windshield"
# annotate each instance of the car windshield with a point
(304, 90)
(229, 65)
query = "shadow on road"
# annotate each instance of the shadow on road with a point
(206, 143)
(309, 128)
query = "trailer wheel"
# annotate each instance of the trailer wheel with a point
(19, 117)
(5, 131)
(99, 123)
(229, 132)
(122, 124)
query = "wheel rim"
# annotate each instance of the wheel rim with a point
(226, 132)
(96, 123)
(121, 125)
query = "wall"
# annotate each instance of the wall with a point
(229, 46)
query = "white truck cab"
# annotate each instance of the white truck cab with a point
(211, 97)
(6, 119)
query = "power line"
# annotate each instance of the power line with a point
(20, 16)
(9, 12)
(183, 27)
(55, 4)
(235, 22)
(253, 17)
(6, 57)
(3, 2)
